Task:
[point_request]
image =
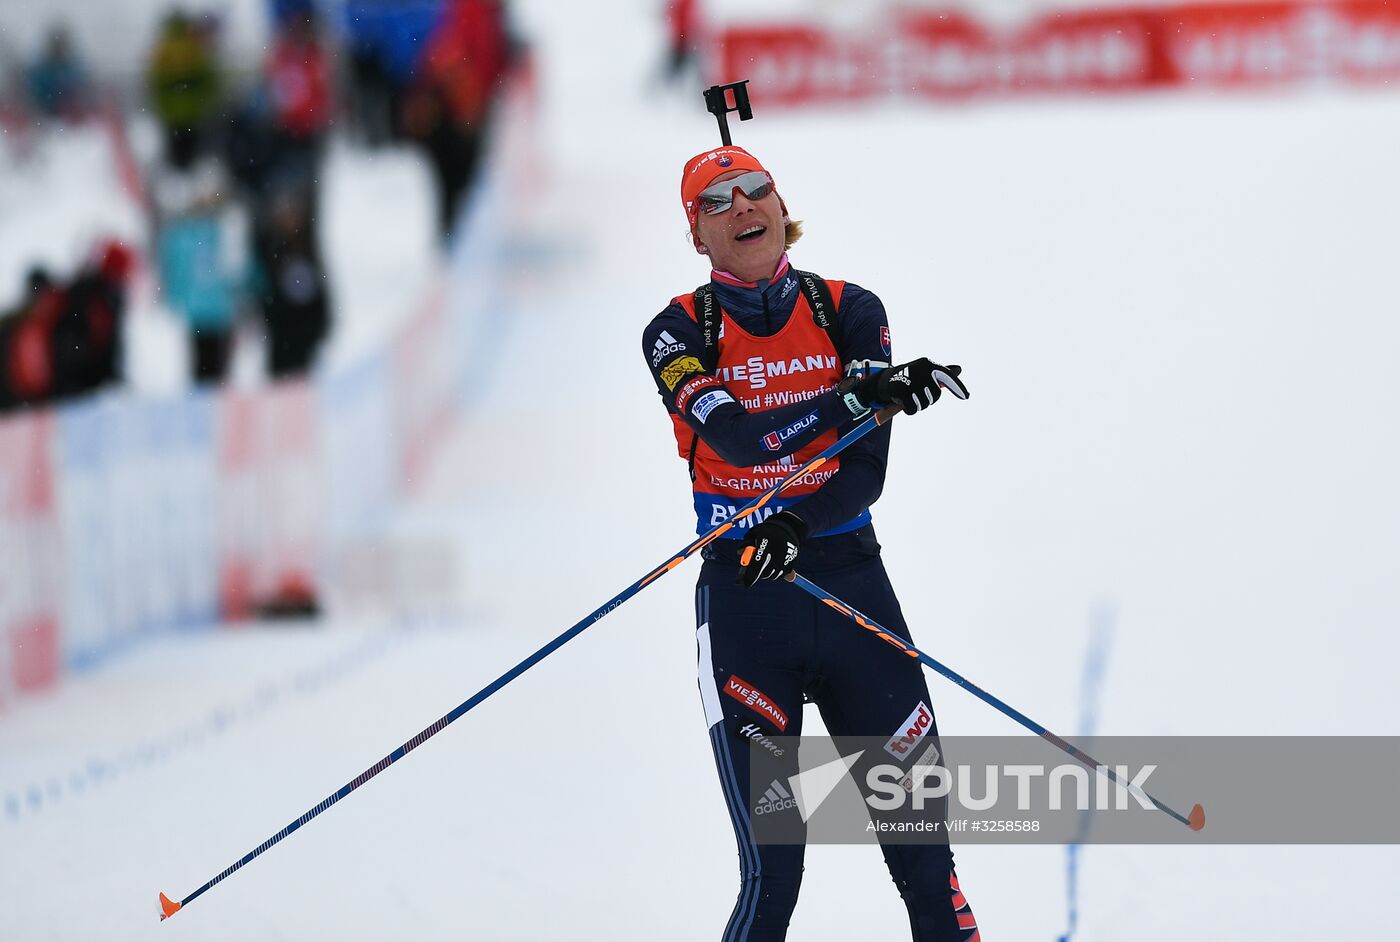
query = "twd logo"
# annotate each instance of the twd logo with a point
(911, 732)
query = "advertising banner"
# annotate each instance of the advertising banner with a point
(30, 560)
(953, 55)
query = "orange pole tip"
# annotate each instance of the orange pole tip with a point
(168, 907)
(747, 557)
(1197, 818)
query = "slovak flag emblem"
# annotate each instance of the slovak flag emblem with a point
(772, 442)
(725, 160)
(885, 340)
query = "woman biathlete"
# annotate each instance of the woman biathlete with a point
(760, 369)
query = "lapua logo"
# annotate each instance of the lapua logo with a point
(913, 729)
(773, 441)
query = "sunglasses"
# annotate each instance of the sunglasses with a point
(719, 198)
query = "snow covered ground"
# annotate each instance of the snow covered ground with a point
(1176, 315)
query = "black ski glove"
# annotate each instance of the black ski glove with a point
(771, 548)
(912, 386)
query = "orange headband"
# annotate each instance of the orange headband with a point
(702, 169)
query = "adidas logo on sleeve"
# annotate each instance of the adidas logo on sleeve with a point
(665, 346)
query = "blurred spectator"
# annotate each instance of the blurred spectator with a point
(385, 39)
(61, 341)
(87, 338)
(289, 279)
(201, 261)
(291, 284)
(285, 10)
(298, 80)
(274, 147)
(373, 94)
(250, 145)
(26, 343)
(449, 108)
(185, 84)
(57, 81)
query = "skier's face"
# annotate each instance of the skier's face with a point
(747, 241)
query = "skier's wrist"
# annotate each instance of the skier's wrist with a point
(854, 395)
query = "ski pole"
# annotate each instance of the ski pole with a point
(169, 907)
(1195, 820)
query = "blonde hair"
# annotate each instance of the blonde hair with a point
(791, 233)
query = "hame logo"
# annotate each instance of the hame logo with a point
(751, 732)
(911, 731)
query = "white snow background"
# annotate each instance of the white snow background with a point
(1176, 314)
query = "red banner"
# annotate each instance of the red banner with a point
(952, 55)
(29, 556)
(269, 497)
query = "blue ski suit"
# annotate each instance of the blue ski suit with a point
(764, 651)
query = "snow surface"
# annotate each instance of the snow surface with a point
(1177, 319)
